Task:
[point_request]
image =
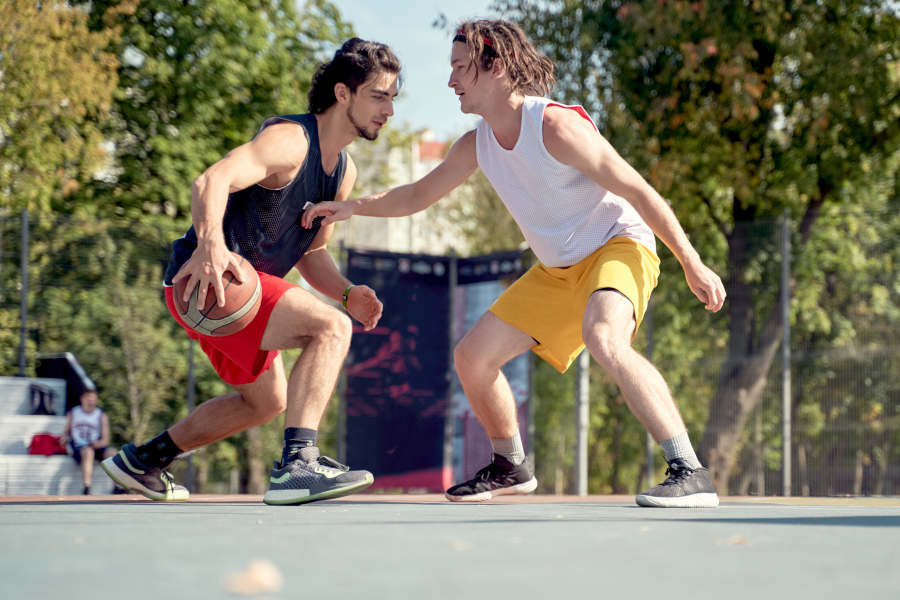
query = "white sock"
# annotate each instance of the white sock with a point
(510, 448)
(680, 447)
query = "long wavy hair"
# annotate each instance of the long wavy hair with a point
(528, 71)
(351, 65)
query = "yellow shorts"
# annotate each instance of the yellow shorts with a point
(548, 303)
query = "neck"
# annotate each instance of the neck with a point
(505, 119)
(335, 132)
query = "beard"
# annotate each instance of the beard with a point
(360, 130)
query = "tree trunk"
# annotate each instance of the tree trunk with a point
(752, 346)
(743, 376)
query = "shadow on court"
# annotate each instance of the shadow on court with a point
(826, 521)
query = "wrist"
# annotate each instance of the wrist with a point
(346, 295)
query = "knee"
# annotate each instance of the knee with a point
(470, 360)
(604, 345)
(87, 453)
(269, 408)
(337, 329)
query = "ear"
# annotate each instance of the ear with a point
(497, 69)
(342, 93)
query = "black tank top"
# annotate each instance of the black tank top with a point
(263, 225)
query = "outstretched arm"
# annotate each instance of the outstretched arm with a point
(279, 148)
(572, 140)
(405, 200)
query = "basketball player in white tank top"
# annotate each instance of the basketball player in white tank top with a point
(571, 193)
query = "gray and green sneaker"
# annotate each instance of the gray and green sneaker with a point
(310, 477)
(157, 484)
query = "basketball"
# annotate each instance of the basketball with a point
(241, 303)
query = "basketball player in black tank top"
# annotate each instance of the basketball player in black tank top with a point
(250, 202)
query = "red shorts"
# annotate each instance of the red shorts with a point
(237, 357)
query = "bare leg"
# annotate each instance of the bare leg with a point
(87, 465)
(299, 320)
(489, 345)
(607, 328)
(216, 419)
(325, 339)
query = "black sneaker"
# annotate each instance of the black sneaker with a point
(501, 477)
(86, 491)
(310, 477)
(683, 488)
(125, 469)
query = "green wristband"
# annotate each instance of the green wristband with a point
(347, 294)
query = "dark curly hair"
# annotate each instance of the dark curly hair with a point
(351, 65)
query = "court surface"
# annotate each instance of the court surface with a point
(420, 546)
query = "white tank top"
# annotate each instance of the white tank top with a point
(563, 214)
(87, 427)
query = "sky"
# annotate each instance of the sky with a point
(425, 101)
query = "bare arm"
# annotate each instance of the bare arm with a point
(571, 140)
(405, 200)
(103, 442)
(318, 268)
(279, 148)
(67, 430)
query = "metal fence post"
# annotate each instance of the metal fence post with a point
(191, 385)
(582, 414)
(786, 354)
(650, 443)
(24, 302)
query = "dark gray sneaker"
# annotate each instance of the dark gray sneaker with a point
(683, 488)
(499, 478)
(157, 484)
(311, 477)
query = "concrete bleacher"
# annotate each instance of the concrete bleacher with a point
(25, 474)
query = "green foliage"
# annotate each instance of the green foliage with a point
(110, 110)
(196, 80)
(738, 112)
(482, 219)
(56, 85)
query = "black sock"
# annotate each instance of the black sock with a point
(296, 438)
(158, 452)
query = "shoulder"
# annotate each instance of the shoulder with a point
(466, 139)
(565, 121)
(568, 133)
(288, 138)
(463, 149)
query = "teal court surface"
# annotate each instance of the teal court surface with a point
(420, 546)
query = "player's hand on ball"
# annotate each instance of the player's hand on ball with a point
(364, 306)
(330, 211)
(205, 268)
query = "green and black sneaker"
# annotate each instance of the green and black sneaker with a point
(310, 477)
(157, 484)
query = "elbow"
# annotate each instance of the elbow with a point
(200, 183)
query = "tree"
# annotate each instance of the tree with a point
(737, 112)
(196, 80)
(56, 84)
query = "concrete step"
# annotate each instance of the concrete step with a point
(47, 475)
(16, 431)
(15, 395)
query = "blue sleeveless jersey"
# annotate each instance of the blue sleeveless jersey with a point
(263, 225)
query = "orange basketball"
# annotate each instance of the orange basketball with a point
(241, 303)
